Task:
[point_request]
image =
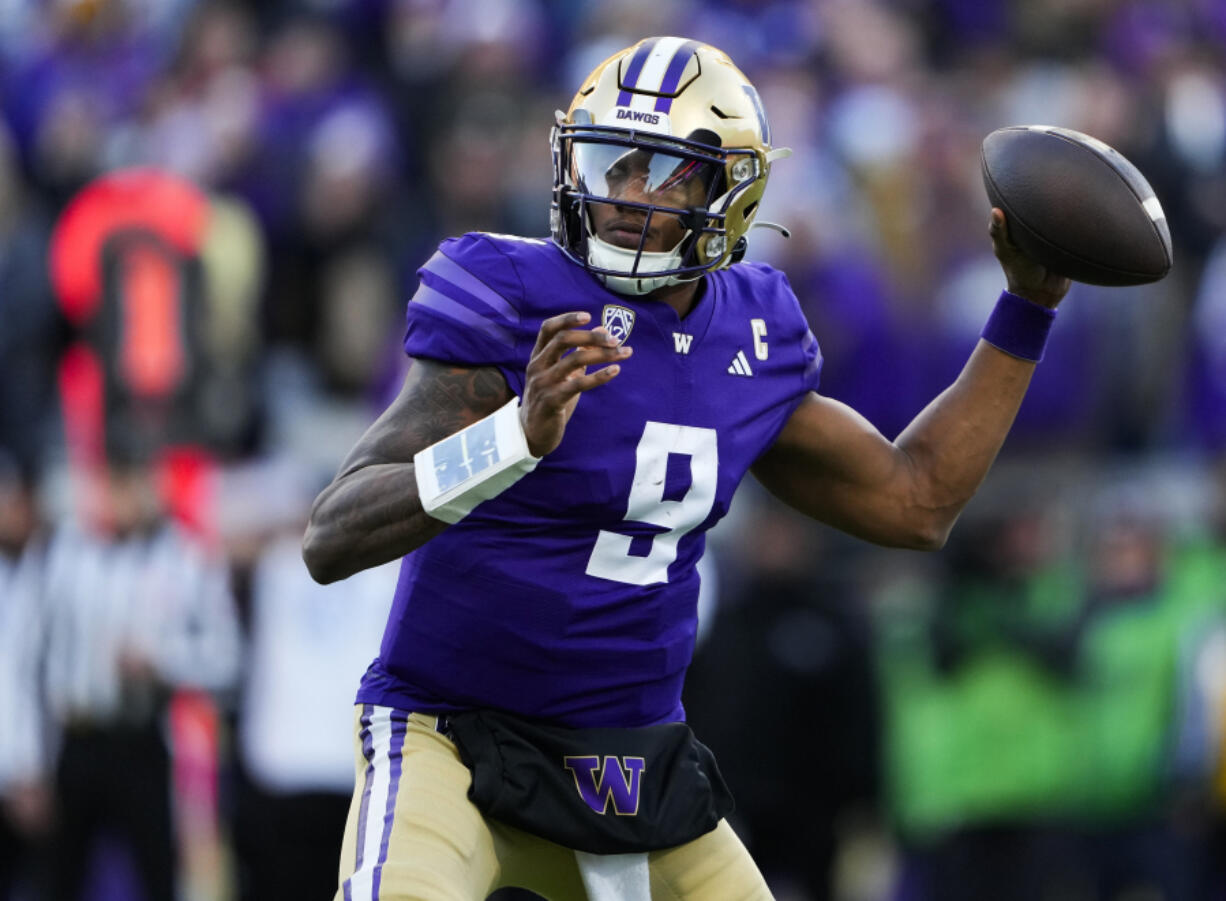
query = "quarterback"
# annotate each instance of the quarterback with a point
(578, 413)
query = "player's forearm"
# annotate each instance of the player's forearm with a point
(371, 513)
(952, 443)
(364, 519)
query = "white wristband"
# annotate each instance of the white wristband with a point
(473, 465)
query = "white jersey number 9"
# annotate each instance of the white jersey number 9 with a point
(611, 558)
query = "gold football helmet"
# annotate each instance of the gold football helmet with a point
(681, 122)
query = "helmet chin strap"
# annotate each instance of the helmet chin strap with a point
(603, 255)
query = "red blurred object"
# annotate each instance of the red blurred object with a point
(139, 199)
(149, 364)
(186, 478)
(123, 258)
(81, 396)
(195, 740)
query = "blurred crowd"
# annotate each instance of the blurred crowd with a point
(211, 215)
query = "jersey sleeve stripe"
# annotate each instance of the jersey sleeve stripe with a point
(813, 365)
(464, 299)
(447, 269)
(439, 303)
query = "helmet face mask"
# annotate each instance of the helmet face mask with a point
(654, 188)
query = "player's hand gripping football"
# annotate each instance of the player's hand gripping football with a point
(1024, 276)
(556, 378)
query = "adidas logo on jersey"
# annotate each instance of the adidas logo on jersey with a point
(740, 365)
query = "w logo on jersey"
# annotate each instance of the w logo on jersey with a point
(618, 321)
(615, 779)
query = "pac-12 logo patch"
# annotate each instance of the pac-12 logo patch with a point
(618, 321)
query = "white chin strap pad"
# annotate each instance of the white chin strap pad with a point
(603, 255)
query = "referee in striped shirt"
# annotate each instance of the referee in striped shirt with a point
(24, 796)
(130, 609)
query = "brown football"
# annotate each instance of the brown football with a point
(1076, 205)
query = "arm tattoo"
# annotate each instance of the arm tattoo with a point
(452, 400)
(437, 401)
(371, 513)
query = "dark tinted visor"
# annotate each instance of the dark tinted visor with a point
(641, 175)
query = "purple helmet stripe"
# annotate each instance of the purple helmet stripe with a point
(368, 751)
(395, 754)
(672, 75)
(635, 69)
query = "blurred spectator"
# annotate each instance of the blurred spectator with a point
(308, 645)
(1036, 707)
(1204, 425)
(25, 799)
(233, 267)
(1129, 675)
(1197, 579)
(30, 337)
(787, 658)
(77, 77)
(130, 610)
(977, 720)
(479, 41)
(200, 119)
(327, 188)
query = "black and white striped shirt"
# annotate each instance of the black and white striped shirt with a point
(22, 745)
(159, 597)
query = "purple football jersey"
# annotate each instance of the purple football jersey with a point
(572, 596)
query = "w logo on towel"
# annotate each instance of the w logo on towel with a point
(615, 778)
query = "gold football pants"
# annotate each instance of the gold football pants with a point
(413, 835)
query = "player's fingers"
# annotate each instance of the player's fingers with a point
(546, 382)
(589, 356)
(556, 324)
(567, 340)
(567, 389)
(1002, 246)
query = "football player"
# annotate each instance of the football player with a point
(579, 412)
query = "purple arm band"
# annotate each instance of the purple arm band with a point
(1019, 327)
